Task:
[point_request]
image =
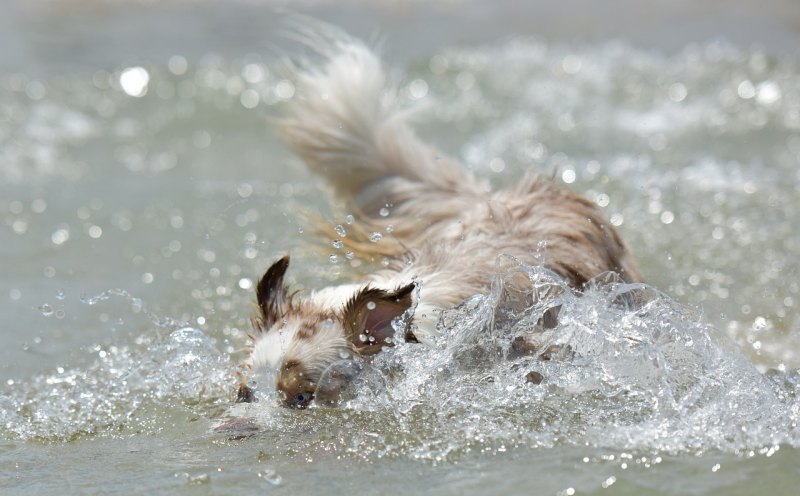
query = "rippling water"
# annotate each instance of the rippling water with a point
(141, 198)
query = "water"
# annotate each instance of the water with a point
(142, 192)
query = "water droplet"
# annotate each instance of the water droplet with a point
(390, 229)
(375, 237)
(334, 259)
(60, 294)
(134, 81)
(136, 305)
(746, 90)
(254, 73)
(349, 255)
(371, 305)
(19, 226)
(35, 90)
(571, 64)
(349, 219)
(198, 479)
(418, 89)
(38, 205)
(677, 92)
(362, 338)
(340, 230)
(249, 98)
(768, 93)
(337, 243)
(284, 89)
(244, 190)
(271, 477)
(384, 212)
(465, 80)
(177, 65)
(497, 165)
(46, 310)
(60, 236)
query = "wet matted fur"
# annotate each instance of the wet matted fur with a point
(348, 126)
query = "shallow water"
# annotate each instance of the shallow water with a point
(142, 192)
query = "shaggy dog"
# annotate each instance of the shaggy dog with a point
(448, 228)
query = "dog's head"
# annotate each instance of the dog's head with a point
(301, 339)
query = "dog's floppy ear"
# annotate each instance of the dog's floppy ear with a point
(271, 294)
(368, 317)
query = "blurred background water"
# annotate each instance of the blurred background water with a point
(142, 192)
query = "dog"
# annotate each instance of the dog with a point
(347, 123)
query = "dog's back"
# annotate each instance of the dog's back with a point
(347, 124)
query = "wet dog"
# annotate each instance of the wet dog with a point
(447, 228)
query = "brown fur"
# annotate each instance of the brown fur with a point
(448, 229)
(369, 330)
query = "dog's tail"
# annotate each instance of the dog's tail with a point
(346, 122)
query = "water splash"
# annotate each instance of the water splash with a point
(137, 306)
(119, 391)
(625, 368)
(629, 367)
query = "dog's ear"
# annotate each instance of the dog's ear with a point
(271, 294)
(368, 317)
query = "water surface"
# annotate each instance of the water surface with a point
(142, 192)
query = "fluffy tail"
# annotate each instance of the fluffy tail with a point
(347, 125)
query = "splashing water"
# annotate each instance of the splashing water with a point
(626, 367)
(117, 392)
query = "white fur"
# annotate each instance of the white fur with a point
(279, 345)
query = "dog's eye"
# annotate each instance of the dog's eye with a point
(302, 400)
